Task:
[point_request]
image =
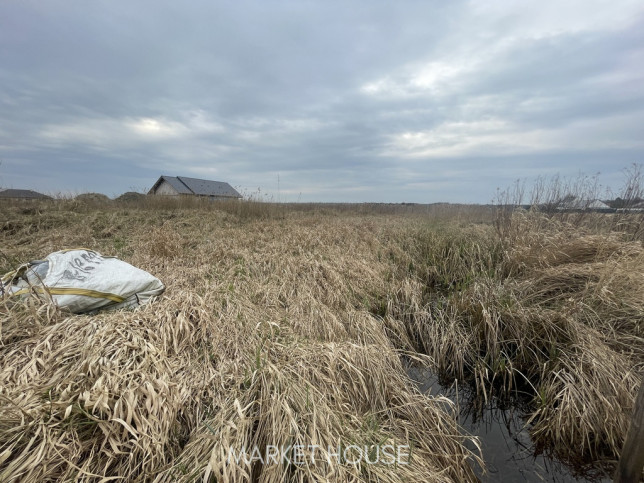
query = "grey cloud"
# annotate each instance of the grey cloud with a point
(104, 96)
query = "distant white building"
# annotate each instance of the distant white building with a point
(636, 208)
(184, 186)
(572, 203)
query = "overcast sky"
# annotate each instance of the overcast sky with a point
(392, 101)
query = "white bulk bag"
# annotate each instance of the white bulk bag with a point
(83, 280)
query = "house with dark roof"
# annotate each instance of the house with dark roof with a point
(184, 186)
(574, 204)
(22, 195)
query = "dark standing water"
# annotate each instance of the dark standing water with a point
(508, 451)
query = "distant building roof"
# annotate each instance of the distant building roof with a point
(200, 187)
(573, 203)
(23, 194)
(209, 188)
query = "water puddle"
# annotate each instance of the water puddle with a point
(508, 451)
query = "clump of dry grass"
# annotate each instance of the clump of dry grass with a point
(265, 335)
(552, 310)
(20, 321)
(164, 242)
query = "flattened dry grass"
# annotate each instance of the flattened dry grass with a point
(266, 335)
(286, 326)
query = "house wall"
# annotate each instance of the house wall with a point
(165, 188)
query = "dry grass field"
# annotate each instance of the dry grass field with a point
(288, 324)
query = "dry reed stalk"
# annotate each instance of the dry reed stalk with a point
(553, 308)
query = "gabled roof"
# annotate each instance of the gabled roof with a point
(209, 188)
(24, 194)
(200, 187)
(597, 205)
